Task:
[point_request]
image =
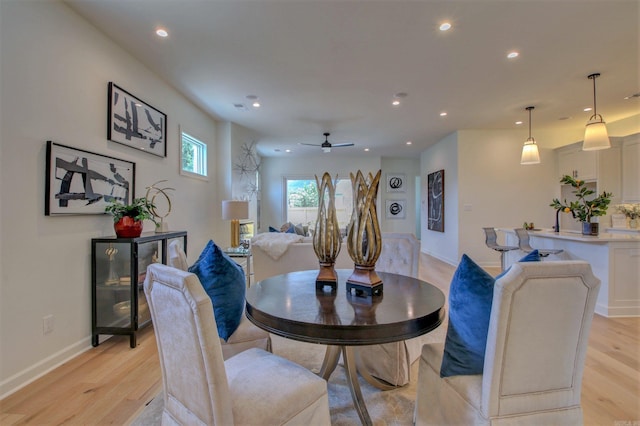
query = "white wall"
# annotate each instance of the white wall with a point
(441, 156)
(496, 191)
(54, 73)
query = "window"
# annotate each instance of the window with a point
(193, 156)
(302, 201)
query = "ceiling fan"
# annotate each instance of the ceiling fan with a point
(326, 146)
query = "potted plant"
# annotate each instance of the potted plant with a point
(128, 218)
(632, 212)
(584, 209)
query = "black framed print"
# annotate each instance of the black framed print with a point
(135, 123)
(396, 209)
(435, 198)
(82, 182)
(396, 182)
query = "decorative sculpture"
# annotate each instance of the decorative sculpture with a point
(326, 237)
(161, 225)
(364, 240)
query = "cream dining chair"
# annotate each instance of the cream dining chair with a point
(253, 387)
(536, 346)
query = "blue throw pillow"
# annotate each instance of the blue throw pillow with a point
(272, 229)
(224, 281)
(470, 300)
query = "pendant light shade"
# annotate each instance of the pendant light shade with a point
(530, 154)
(595, 135)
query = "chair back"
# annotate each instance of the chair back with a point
(400, 254)
(523, 240)
(177, 257)
(196, 390)
(491, 237)
(537, 340)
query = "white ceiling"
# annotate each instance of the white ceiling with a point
(335, 66)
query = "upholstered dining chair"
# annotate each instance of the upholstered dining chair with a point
(534, 358)
(246, 336)
(200, 387)
(525, 246)
(391, 362)
(491, 240)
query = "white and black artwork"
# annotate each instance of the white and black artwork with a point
(396, 182)
(135, 123)
(81, 182)
(396, 209)
(435, 197)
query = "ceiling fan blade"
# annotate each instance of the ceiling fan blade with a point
(309, 144)
(341, 144)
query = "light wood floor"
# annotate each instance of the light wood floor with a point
(112, 383)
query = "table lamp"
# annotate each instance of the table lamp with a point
(234, 210)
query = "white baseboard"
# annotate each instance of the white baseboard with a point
(34, 372)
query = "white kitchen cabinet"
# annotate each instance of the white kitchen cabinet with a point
(631, 169)
(575, 162)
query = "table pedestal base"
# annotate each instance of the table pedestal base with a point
(351, 361)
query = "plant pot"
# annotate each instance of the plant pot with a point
(589, 228)
(128, 227)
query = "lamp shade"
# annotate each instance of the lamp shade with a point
(596, 136)
(235, 209)
(530, 154)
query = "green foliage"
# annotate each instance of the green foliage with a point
(583, 209)
(187, 157)
(140, 209)
(305, 196)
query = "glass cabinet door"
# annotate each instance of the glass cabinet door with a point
(113, 284)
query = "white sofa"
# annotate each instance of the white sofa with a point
(400, 254)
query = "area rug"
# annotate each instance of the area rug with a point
(394, 407)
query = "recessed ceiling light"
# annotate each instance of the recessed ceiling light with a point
(443, 114)
(587, 109)
(445, 26)
(518, 122)
(287, 150)
(161, 32)
(366, 150)
(409, 143)
(512, 55)
(256, 104)
(395, 102)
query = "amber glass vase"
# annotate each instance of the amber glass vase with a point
(326, 236)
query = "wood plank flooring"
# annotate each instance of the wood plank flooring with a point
(112, 383)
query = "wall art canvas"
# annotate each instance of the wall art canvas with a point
(435, 198)
(135, 123)
(396, 182)
(396, 209)
(82, 182)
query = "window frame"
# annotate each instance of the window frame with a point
(192, 140)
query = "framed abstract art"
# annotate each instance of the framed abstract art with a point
(435, 199)
(82, 182)
(135, 123)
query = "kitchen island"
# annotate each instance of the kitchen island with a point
(614, 259)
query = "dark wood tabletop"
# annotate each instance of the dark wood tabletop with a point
(290, 306)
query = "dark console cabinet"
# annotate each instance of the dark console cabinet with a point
(118, 269)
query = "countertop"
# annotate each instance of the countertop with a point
(602, 237)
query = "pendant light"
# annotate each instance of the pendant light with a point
(595, 135)
(530, 154)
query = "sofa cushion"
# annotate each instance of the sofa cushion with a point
(470, 300)
(224, 281)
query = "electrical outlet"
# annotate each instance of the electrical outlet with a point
(47, 324)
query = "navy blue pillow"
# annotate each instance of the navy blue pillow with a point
(470, 300)
(272, 229)
(224, 281)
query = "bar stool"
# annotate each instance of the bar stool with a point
(492, 242)
(523, 242)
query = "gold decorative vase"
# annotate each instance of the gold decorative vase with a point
(364, 240)
(326, 235)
